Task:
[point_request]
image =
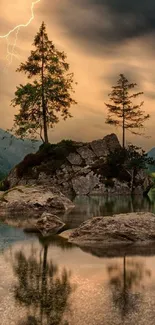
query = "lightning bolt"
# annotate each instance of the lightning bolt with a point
(11, 47)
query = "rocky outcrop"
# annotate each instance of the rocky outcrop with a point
(85, 184)
(144, 183)
(49, 224)
(77, 169)
(130, 228)
(34, 200)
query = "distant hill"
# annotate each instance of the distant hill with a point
(13, 150)
(151, 154)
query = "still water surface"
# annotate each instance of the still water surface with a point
(51, 282)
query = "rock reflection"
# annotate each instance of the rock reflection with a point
(87, 207)
(125, 281)
(41, 288)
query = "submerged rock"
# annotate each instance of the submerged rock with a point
(49, 224)
(127, 228)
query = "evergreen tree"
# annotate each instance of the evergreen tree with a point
(123, 112)
(48, 95)
(128, 161)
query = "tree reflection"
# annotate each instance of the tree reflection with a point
(41, 288)
(124, 281)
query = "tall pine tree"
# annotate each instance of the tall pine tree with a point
(48, 95)
(122, 111)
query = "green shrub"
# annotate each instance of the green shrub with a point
(54, 154)
(124, 176)
(29, 161)
(109, 182)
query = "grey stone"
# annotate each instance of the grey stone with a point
(104, 146)
(99, 147)
(87, 154)
(127, 228)
(76, 169)
(74, 159)
(119, 188)
(144, 183)
(83, 185)
(35, 199)
(49, 224)
(112, 142)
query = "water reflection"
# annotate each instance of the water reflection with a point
(126, 282)
(37, 288)
(87, 207)
(41, 288)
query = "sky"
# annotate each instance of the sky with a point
(102, 38)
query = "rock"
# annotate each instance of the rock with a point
(12, 178)
(66, 233)
(130, 228)
(83, 185)
(75, 159)
(144, 183)
(118, 188)
(112, 142)
(34, 200)
(99, 147)
(49, 224)
(87, 154)
(104, 146)
(78, 168)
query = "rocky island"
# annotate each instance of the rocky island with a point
(78, 169)
(39, 190)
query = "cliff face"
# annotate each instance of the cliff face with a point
(76, 168)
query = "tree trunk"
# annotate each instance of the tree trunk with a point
(43, 96)
(123, 141)
(123, 144)
(132, 179)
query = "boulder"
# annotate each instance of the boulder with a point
(49, 224)
(144, 183)
(83, 185)
(130, 228)
(100, 148)
(34, 200)
(75, 159)
(103, 147)
(87, 154)
(112, 142)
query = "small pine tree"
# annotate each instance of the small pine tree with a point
(48, 95)
(123, 112)
(131, 159)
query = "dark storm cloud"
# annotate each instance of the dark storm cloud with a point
(108, 21)
(132, 73)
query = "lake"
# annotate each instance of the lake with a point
(51, 282)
